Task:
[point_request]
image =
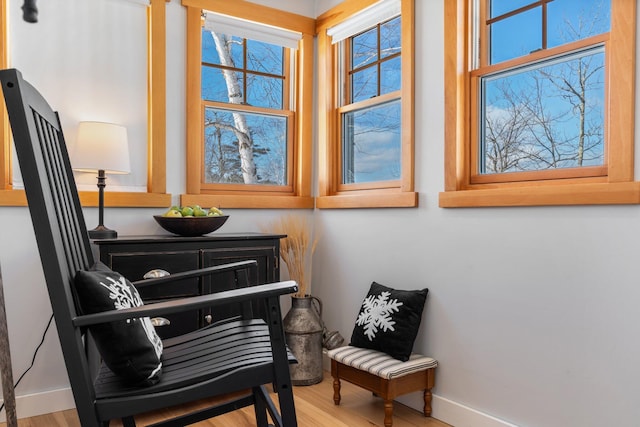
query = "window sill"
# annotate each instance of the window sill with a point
(388, 200)
(90, 199)
(623, 193)
(126, 199)
(229, 201)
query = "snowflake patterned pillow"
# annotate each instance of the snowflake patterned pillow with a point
(388, 320)
(131, 348)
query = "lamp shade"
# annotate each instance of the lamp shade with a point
(101, 146)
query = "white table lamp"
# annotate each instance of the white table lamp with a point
(103, 148)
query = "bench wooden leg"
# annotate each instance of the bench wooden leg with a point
(388, 413)
(427, 391)
(336, 390)
(427, 402)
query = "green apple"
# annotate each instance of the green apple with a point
(198, 211)
(173, 213)
(215, 212)
(187, 211)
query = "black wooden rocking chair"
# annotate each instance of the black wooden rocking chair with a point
(260, 355)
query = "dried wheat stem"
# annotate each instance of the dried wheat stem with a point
(296, 250)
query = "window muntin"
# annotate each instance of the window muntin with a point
(250, 72)
(375, 61)
(371, 121)
(518, 28)
(247, 144)
(539, 107)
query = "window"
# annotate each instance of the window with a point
(249, 132)
(366, 107)
(372, 105)
(247, 115)
(538, 106)
(156, 195)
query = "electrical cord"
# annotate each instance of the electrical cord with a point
(34, 357)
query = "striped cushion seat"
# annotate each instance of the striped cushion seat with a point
(380, 364)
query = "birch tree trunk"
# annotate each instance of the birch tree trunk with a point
(234, 91)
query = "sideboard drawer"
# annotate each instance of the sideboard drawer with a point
(134, 266)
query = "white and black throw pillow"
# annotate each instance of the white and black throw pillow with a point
(388, 320)
(131, 348)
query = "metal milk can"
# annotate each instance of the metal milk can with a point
(303, 331)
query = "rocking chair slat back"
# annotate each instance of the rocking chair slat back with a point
(55, 210)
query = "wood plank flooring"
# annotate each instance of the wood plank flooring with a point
(314, 408)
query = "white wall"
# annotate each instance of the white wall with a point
(531, 312)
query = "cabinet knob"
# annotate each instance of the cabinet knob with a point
(155, 273)
(208, 318)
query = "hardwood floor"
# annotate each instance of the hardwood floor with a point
(314, 407)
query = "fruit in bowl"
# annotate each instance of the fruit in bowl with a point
(191, 220)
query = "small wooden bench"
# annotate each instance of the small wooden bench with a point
(383, 375)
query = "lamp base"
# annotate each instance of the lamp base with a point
(102, 232)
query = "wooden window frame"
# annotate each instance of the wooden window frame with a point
(549, 188)
(284, 112)
(156, 195)
(332, 193)
(298, 195)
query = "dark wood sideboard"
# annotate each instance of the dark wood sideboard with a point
(136, 256)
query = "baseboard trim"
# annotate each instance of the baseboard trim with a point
(31, 405)
(454, 413)
(445, 410)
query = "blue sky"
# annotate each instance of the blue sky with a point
(522, 34)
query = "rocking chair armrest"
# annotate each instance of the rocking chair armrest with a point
(191, 303)
(233, 266)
